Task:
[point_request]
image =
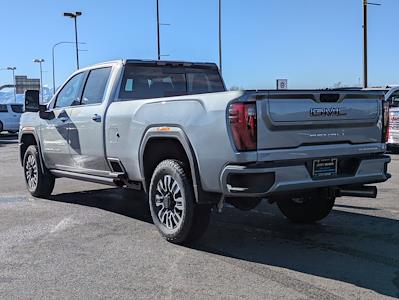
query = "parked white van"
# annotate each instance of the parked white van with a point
(10, 115)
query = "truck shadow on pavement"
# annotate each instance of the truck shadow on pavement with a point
(348, 247)
(7, 139)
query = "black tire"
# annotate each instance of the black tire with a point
(244, 204)
(192, 218)
(309, 207)
(1, 127)
(43, 185)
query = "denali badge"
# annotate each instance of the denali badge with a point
(327, 112)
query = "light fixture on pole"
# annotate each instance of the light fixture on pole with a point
(13, 79)
(365, 42)
(74, 16)
(40, 61)
(53, 58)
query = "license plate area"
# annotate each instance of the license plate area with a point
(326, 167)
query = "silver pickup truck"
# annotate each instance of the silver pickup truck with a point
(172, 130)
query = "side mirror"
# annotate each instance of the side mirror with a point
(32, 103)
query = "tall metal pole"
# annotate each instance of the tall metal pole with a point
(13, 80)
(53, 59)
(15, 86)
(158, 33)
(76, 42)
(220, 36)
(74, 16)
(41, 80)
(365, 50)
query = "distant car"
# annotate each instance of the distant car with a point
(392, 97)
(10, 115)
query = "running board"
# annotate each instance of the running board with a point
(114, 180)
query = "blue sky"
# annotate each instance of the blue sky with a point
(313, 43)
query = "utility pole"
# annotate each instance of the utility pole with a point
(365, 42)
(158, 33)
(74, 16)
(220, 36)
(365, 50)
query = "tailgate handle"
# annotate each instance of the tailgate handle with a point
(329, 98)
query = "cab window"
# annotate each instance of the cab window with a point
(70, 93)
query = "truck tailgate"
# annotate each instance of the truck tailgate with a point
(289, 119)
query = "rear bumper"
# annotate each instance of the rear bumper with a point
(246, 181)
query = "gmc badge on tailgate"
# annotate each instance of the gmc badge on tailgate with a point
(327, 112)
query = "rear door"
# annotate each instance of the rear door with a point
(87, 125)
(291, 119)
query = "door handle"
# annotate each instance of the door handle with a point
(96, 118)
(64, 119)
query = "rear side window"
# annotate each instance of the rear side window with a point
(95, 86)
(144, 82)
(69, 95)
(3, 108)
(17, 108)
(204, 82)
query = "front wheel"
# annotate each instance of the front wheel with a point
(309, 207)
(174, 210)
(39, 182)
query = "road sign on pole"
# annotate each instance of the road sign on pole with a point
(282, 84)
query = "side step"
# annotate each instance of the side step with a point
(115, 180)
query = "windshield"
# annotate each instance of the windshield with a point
(144, 82)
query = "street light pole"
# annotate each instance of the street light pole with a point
(158, 33)
(53, 58)
(40, 61)
(74, 16)
(13, 78)
(220, 36)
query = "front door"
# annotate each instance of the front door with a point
(55, 131)
(87, 125)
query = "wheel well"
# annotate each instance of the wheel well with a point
(159, 149)
(26, 140)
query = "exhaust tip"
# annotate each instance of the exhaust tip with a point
(358, 191)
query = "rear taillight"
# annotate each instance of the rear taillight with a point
(242, 120)
(385, 125)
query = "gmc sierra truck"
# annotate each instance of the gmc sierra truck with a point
(172, 130)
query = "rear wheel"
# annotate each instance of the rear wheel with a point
(174, 210)
(308, 207)
(1, 127)
(39, 182)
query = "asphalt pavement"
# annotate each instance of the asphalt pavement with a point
(90, 241)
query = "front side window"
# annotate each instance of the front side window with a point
(3, 108)
(19, 109)
(95, 86)
(69, 95)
